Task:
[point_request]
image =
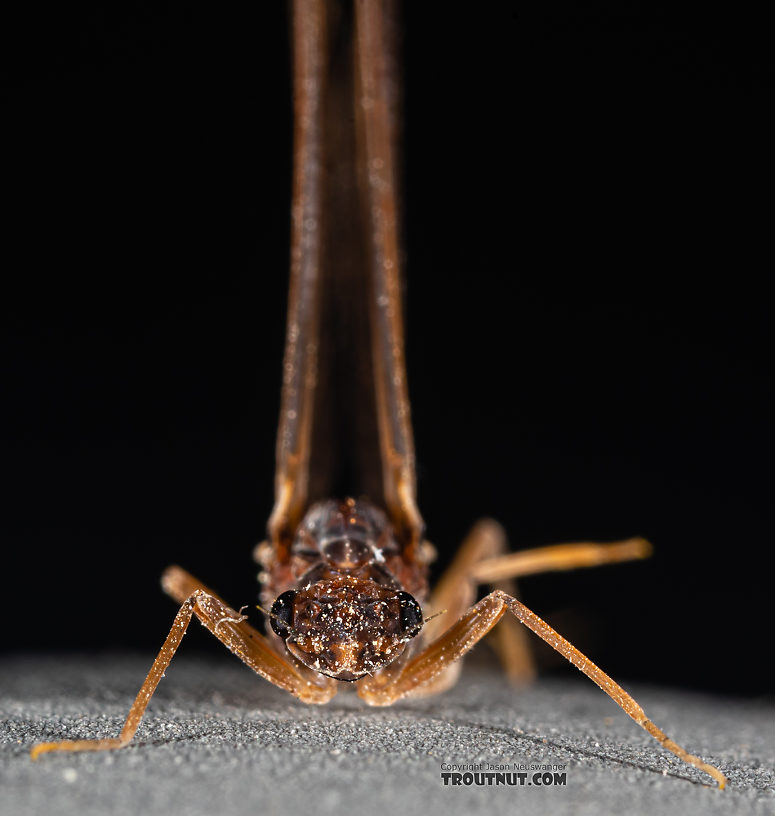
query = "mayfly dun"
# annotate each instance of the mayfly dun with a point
(345, 580)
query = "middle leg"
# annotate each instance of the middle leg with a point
(455, 593)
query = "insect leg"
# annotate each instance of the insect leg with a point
(253, 648)
(456, 592)
(237, 635)
(483, 559)
(473, 626)
(559, 557)
(509, 639)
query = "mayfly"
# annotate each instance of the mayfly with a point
(345, 581)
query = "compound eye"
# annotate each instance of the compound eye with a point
(281, 619)
(411, 615)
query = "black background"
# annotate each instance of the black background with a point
(588, 224)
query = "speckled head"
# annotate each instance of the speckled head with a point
(345, 626)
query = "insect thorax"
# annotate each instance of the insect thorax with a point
(345, 613)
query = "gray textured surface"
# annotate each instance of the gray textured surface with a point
(218, 740)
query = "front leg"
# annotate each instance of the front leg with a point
(472, 627)
(232, 630)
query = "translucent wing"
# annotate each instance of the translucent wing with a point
(345, 422)
(301, 344)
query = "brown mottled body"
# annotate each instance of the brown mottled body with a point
(371, 550)
(346, 581)
(341, 605)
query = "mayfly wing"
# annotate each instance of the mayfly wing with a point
(345, 423)
(301, 345)
(376, 113)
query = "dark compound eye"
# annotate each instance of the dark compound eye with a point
(411, 614)
(282, 613)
